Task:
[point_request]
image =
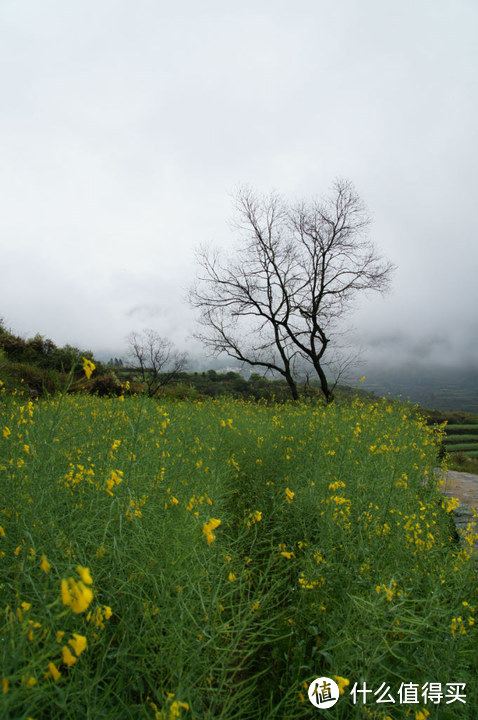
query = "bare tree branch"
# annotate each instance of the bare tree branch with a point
(278, 297)
(156, 359)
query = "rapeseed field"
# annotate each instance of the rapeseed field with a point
(175, 560)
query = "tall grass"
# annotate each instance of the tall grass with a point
(334, 556)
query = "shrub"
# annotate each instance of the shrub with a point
(105, 385)
(36, 381)
(14, 347)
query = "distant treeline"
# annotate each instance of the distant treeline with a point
(211, 383)
(40, 351)
(40, 367)
(38, 364)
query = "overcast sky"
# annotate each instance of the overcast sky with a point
(125, 125)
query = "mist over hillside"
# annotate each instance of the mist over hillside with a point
(431, 386)
(443, 388)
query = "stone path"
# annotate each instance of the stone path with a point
(463, 486)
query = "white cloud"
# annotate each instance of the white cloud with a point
(125, 125)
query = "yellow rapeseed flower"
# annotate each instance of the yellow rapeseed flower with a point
(450, 504)
(85, 575)
(289, 495)
(422, 714)
(342, 683)
(76, 595)
(88, 367)
(53, 671)
(78, 643)
(175, 709)
(45, 565)
(68, 657)
(65, 592)
(208, 528)
(116, 476)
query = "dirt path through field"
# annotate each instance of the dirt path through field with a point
(463, 486)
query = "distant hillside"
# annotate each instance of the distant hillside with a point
(39, 366)
(433, 387)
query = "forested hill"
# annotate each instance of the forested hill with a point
(40, 366)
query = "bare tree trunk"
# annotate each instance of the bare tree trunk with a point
(324, 385)
(292, 385)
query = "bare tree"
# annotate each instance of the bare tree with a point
(279, 297)
(158, 362)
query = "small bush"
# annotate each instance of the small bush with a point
(180, 391)
(103, 385)
(30, 378)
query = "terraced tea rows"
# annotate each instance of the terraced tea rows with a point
(462, 439)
